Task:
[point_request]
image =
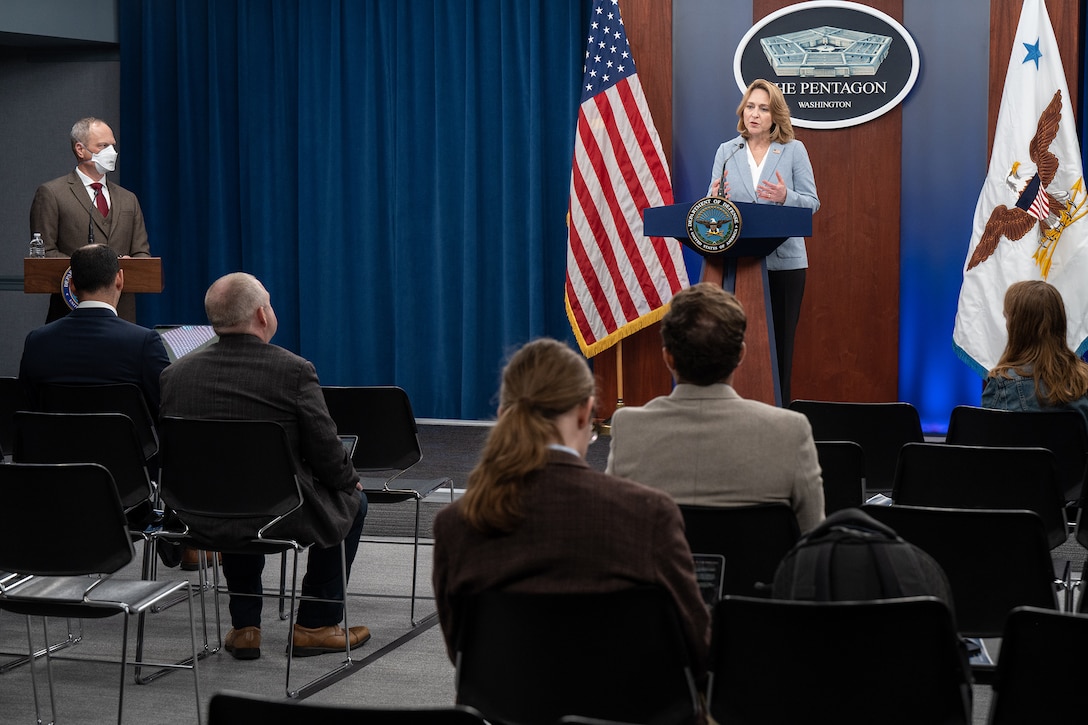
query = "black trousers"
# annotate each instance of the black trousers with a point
(787, 290)
(322, 579)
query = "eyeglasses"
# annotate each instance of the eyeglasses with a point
(595, 427)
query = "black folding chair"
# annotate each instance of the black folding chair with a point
(70, 569)
(842, 467)
(886, 661)
(238, 471)
(232, 708)
(106, 438)
(629, 661)
(13, 397)
(753, 539)
(995, 560)
(1040, 667)
(125, 398)
(943, 475)
(382, 419)
(1060, 431)
(881, 429)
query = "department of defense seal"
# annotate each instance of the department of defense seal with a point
(66, 290)
(713, 224)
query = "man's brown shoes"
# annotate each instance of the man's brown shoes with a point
(244, 643)
(190, 559)
(321, 640)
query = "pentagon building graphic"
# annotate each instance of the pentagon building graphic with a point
(826, 52)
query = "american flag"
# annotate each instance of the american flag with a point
(618, 280)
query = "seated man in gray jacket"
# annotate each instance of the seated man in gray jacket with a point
(703, 443)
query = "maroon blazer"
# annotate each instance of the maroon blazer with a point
(583, 531)
(242, 378)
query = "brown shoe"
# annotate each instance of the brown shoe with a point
(190, 559)
(322, 640)
(244, 643)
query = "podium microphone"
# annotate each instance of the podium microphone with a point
(721, 183)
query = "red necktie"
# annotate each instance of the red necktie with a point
(100, 199)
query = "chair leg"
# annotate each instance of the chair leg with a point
(21, 659)
(283, 583)
(348, 662)
(203, 585)
(290, 618)
(415, 566)
(48, 672)
(124, 664)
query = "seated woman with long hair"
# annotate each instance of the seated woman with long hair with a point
(536, 518)
(1038, 370)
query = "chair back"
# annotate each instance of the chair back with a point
(62, 519)
(944, 475)
(125, 398)
(381, 416)
(13, 397)
(1041, 664)
(995, 560)
(888, 661)
(881, 429)
(753, 539)
(231, 708)
(228, 469)
(106, 438)
(1059, 430)
(627, 660)
(842, 467)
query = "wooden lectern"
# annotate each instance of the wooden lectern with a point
(742, 270)
(45, 274)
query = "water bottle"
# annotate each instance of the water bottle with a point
(37, 246)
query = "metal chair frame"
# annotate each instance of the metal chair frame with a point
(382, 419)
(238, 469)
(71, 576)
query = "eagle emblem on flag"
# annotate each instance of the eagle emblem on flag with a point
(1052, 210)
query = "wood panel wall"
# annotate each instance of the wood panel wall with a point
(1065, 17)
(848, 339)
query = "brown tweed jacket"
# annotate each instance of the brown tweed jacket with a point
(583, 531)
(242, 378)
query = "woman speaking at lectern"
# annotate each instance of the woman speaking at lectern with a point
(765, 164)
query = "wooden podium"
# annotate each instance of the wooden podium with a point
(45, 274)
(742, 270)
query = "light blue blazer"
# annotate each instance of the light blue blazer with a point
(790, 160)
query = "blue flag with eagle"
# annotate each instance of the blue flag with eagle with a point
(1028, 222)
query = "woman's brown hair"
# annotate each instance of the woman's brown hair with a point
(542, 380)
(782, 130)
(1037, 346)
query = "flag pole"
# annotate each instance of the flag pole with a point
(606, 426)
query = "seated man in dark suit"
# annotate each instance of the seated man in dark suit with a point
(243, 377)
(92, 344)
(703, 443)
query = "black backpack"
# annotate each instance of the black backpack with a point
(852, 556)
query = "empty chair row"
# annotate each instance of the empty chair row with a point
(882, 429)
(889, 661)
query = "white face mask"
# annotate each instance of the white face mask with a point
(105, 160)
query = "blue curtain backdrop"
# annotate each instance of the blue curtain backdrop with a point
(396, 173)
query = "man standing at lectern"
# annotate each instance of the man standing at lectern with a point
(703, 443)
(84, 207)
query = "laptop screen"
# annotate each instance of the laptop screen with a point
(710, 575)
(349, 444)
(181, 340)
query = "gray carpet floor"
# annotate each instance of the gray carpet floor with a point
(401, 666)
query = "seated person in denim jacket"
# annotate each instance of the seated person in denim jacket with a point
(1037, 370)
